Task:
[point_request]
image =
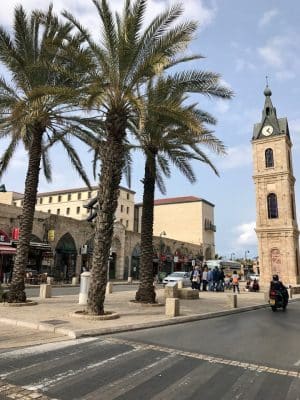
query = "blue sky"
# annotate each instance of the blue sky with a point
(243, 41)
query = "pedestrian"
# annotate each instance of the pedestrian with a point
(195, 278)
(215, 278)
(210, 279)
(6, 273)
(255, 286)
(221, 280)
(204, 277)
(235, 282)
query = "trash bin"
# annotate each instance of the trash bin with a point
(85, 278)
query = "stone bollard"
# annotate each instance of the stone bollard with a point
(290, 292)
(75, 280)
(172, 307)
(171, 290)
(232, 300)
(267, 296)
(129, 279)
(45, 291)
(109, 288)
(85, 278)
(180, 284)
(50, 280)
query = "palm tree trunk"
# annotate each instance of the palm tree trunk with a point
(108, 194)
(17, 288)
(146, 291)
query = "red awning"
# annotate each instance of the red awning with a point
(7, 249)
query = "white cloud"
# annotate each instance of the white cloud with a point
(272, 54)
(222, 106)
(246, 234)
(267, 17)
(241, 65)
(237, 157)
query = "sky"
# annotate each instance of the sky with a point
(243, 41)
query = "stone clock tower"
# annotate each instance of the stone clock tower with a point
(276, 220)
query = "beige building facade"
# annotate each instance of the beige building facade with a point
(276, 219)
(184, 219)
(71, 203)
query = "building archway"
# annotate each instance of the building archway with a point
(65, 258)
(115, 258)
(208, 255)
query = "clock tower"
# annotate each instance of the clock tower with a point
(276, 220)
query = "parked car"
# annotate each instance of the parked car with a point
(178, 276)
(254, 276)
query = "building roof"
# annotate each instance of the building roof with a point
(176, 200)
(17, 195)
(73, 190)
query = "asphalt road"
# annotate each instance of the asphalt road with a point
(247, 356)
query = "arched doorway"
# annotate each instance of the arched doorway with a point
(208, 253)
(65, 258)
(135, 261)
(115, 258)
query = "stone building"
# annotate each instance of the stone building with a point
(71, 203)
(61, 245)
(187, 219)
(276, 219)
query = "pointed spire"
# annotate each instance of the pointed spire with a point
(267, 91)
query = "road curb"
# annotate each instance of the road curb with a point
(75, 334)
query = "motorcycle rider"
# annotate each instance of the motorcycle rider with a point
(277, 285)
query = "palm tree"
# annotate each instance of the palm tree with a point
(38, 108)
(126, 58)
(173, 133)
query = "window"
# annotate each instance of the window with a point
(127, 210)
(121, 220)
(127, 196)
(50, 199)
(69, 196)
(127, 224)
(49, 211)
(21, 203)
(269, 158)
(122, 208)
(272, 206)
(77, 210)
(68, 211)
(268, 110)
(78, 196)
(15, 203)
(292, 206)
(58, 211)
(41, 200)
(59, 198)
(89, 195)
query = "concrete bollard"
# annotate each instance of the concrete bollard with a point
(172, 307)
(75, 280)
(232, 300)
(50, 280)
(45, 291)
(290, 292)
(180, 284)
(171, 290)
(129, 279)
(109, 288)
(85, 278)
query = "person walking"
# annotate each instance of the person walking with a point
(210, 279)
(204, 278)
(235, 282)
(195, 278)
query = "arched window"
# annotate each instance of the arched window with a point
(269, 158)
(272, 205)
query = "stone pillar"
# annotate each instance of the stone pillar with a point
(129, 279)
(171, 290)
(85, 278)
(109, 288)
(172, 307)
(180, 284)
(75, 280)
(45, 291)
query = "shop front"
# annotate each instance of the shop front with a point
(65, 259)
(7, 253)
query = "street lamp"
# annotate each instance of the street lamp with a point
(231, 255)
(245, 258)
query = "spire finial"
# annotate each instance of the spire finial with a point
(267, 91)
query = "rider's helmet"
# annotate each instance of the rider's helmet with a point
(275, 277)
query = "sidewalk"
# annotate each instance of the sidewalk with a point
(53, 315)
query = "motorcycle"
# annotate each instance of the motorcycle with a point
(278, 299)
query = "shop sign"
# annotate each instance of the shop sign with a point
(51, 235)
(175, 259)
(15, 234)
(4, 237)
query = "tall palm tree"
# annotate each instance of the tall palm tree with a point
(38, 108)
(126, 57)
(173, 133)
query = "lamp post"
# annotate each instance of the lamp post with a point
(245, 263)
(245, 258)
(163, 233)
(231, 255)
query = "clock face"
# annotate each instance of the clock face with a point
(267, 130)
